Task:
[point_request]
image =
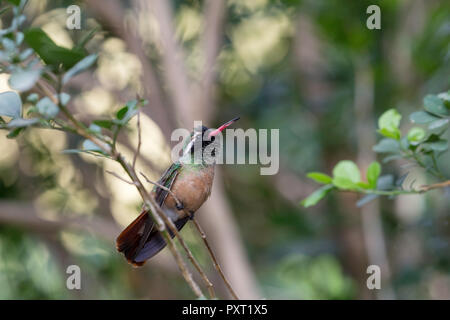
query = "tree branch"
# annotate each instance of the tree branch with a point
(154, 210)
(183, 244)
(213, 257)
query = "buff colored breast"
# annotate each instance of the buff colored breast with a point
(192, 187)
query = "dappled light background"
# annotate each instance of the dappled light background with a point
(309, 68)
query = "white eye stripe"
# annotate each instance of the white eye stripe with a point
(189, 146)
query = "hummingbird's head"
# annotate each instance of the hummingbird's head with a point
(202, 137)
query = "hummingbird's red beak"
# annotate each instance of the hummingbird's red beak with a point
(222, 127)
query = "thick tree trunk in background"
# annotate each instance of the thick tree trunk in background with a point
(370, 213)
(190, 101)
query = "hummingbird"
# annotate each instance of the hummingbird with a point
(190, 179)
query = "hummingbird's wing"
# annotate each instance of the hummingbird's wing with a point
(129, 242)
(155, 244)
(140, 240)
(166, 180)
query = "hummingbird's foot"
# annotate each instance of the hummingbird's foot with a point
(191, 215)
(179, 206)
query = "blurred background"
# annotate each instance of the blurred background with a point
(309, 68)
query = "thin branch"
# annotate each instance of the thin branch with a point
(178, 202)
(183, 244)
(159, 217)
(421, 189)
(138, 149)
(213, 257)
(439, 185)
(155, 211)
(203, 236)
(27, 216)
(119, 177)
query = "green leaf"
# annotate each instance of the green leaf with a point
(126, 113)
(20, 122)
(441, 145)
(422, 117)
(320, 177)
(388, 124)
(416, 135)
(394, 133)
(14, 133)
(433, 138)
(345, 183)
(347, 169)
(387, 146)
(95, 128)
(121, 113)
(24, 79)
(47, 108)
(10, 104)
(8, 44)
(33, 98)
(107, 124)
(366, 199)
(14, 2)
(389, 119)
(385, 182)
(364, 185)
(70, 151)
(316, 196)
(392, 157)
(25, 54)
(88, 145)
(80, 67)
(52, 54)
(438, 124)
(64, 98)
(19, 38)
(446, 97)
(404, 143)
(435, 105)
(87, 37)
(373, 172)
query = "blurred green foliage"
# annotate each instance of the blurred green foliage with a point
(279, 76)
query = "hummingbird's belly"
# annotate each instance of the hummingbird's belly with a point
(192, 187)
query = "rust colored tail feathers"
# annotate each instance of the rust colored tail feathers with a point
(141, 240)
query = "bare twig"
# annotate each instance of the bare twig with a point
(203, 236)
(434, 186)
(119, 177)
(162, 187)
(138, 149)
(160, 218)
(27, 216)
(183, 244)
(155, 211)
(213, 257)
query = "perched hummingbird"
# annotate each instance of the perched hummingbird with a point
(190, 180)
